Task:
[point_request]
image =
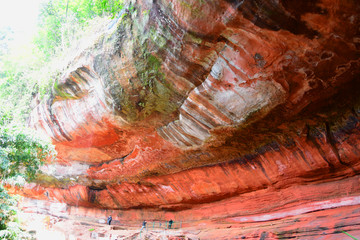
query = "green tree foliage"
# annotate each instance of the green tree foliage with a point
(21, 154)
(62, 19)
(9, 229)
(21, 151)
(29, 71)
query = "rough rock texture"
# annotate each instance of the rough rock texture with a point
(241, 111)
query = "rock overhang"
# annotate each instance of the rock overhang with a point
(191, 102)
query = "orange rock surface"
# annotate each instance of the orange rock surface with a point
(235, 112)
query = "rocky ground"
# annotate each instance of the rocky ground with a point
(45, 227)
(313, 225)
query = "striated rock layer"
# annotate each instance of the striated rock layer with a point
(236, 111)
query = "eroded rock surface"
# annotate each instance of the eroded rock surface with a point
(212, 109)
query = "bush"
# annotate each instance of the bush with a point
(21, 154)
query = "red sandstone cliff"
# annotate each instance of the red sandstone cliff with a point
(238, 111)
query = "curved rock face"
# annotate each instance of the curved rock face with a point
(203, 107)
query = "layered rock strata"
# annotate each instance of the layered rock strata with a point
(194, 105)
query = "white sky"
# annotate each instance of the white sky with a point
(20, 15)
